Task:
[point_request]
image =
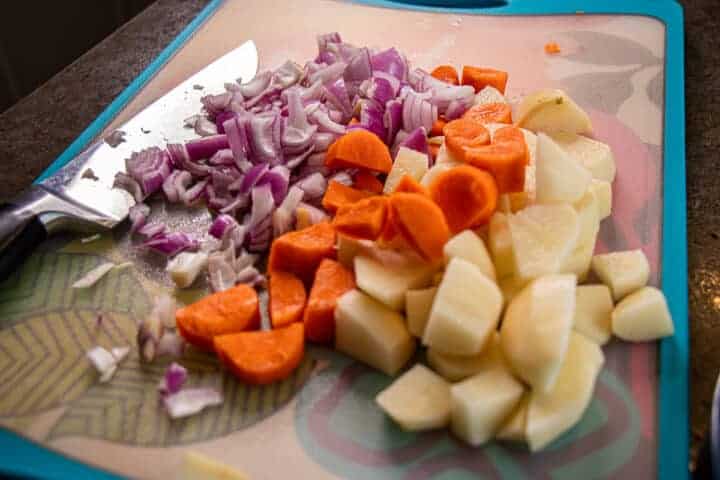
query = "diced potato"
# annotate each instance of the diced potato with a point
(417, 309)
(407, 162)
(593, 155)
(642, 316)
(593, 312)
(552, 110)
(465, 312)
(624, 272)
(470, 247)
(186, 266)
(437, 169)
(368, 331)
(389, 284)
(457, 367)
(513, 430)
(558, 177)
(603, 193)
(197, 466)
(536, 327)
(511, 286)
(437, 278)
(417, 400)
(552, 413)
(489, 95)
(481, 403)
(500, 243)
(444, 157)
(543, 237)
(579, 260)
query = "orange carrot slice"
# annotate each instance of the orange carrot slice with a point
(466, 195)
(364, 180)
(338, 195)
(262, 357)
(300, 252)
(364, 219)
(359, 149)
(505, 159)
(421, 222)
(230, 311)
(463, 133)
(332, 280)
(287, 299)
(480, 78)
(437, 128)
(552, 48)
(490, 113)
(446, 73)
(408, 184)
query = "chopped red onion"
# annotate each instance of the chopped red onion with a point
(244, 260)
(371, 118)
(261, 235)
(171, 244)
(149, 168)
(336, 94)
(358, 69)
(221, 225)
(173, 380)
(170, 345)
(265, 139)
(181, 159)
(284, 215)
(222, 117)
(390, 61)
(456, 109)
(191, 401)
(298, 134)
(313, 185)
(249, 275)
(206, 147)
(278, 178)
(324, 40)
(240, 202)
(418, 112)
(328, 74)
(194, 194)
(392, 119)
(150, 230)
(325, 123)
(287, 74)
(176, 184)
(252, 177)
(237, 135)
(257, 85)
(221, 271)
(214, 104)
(138, 214)
(222, 157)
(263, 205)
(416, 140)
(443, 97)
(323, 140)
(293, 162)
(127, 183)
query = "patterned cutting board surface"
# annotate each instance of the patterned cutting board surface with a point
(322, 421)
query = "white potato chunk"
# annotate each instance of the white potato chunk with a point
(389, 284)
(552, 413)
(642, 316)
(458, 367)
(468, 246)
(624, 272)
(552, 110)
(513, 429)
(489, 95)
(511, 286)
(595, 156)
(603, 193)
(593, 312)
(417, 400)
(536, 327)
(500, 243)
(418, 304)
(407, 162)
(579, 260)
(543, 237)
(368, 331)
(465, 312)
(558, 177)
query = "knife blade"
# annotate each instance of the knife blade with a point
(72, 199)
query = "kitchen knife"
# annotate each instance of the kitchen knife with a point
(80, 196)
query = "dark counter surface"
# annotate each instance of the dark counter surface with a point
(38, 128)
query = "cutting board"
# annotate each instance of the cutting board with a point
(622, 62)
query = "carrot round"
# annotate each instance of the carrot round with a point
(300, 252)
(332, 280)
(364, 180)
(446, 73)
(466, 195)
(421, 222)
(437, 128)
(408, 184)
(230, 311)
(262, 357)
(480, 78)
(505, 159)
(552, 48)
(338, 195)
(490, 113)
(287, 299)
(463, 133)
(359, 149)
(364, 219)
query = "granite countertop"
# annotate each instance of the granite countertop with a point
(38, 128)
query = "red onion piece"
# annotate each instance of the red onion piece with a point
(138, 214)
(313, 185)
(323, 140)
(263, 205)
(206, 147)
(222, 157)
(329, 73)
(325, 124)
(130, 185)
(149, 167)
(256, 86)
(336, 94)
(252, 177)
(261, 235)
(416, 140)
(358, 69)
(390, 61)
(172, 243)
(151, 230)
(221, 225)
(284, 215)
(392, 119)
(194, 194)
(265, 139)
(176, 184)
(287, 74)
(293, 162)
(278, 178)
(214, 104)
(173, 380)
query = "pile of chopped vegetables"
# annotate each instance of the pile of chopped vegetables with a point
(398, 205)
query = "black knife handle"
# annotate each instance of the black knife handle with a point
(20, 232)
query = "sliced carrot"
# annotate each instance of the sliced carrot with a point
(437, 128)
(300, 252)
(364, 219)
(262, 357)
(466, 195)
(287, 298)
(446, 73)
(463, 133)
(421, 222)
(338, 195)
(230, 311)
(552, 48)
(364, 180)
(332, 280)
(480, 78)
(490, 113)
(505, 159)
(433, 149)
(359, 149)
(408, 184)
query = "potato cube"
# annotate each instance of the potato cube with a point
(642, 316)
(624, 272)
(593, 312)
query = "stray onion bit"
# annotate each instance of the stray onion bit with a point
(106, 362)
(186, 266)
(191, 401)
(173, 380)
(149, 333)
(91, 238)
(115, 138)
(92, 277)
(170, 345)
